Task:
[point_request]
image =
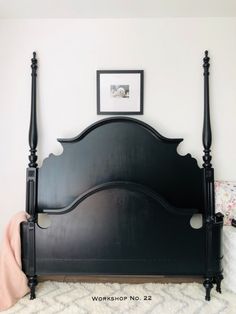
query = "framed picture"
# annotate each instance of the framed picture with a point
(120, 92)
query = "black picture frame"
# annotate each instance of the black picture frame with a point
(137, 102)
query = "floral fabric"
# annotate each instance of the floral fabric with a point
(225, 200)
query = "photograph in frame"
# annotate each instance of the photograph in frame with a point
(120, 92)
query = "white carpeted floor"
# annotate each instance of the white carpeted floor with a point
(61, 297)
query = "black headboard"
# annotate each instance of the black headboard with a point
(119, 150)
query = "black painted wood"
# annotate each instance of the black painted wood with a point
(33, 134)
(31, 175)
(211, 220)
(120, 199)
(120, 230)
(120, 149)
(206, 135)
(123, 231)
(209, 197)
(130, 186)
(32, 184)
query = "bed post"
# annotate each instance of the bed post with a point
(209, 195)
(207, 139)
(31, 184)
(208, 174)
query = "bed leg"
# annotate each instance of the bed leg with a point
(218, 280)
(32, 283)
(208, 284)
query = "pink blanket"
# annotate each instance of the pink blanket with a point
(13, 282)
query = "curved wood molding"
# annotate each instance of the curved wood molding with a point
(119, 119)
(130, 186)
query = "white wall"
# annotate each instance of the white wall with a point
(170, 52)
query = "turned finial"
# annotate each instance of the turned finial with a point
(206, 63)
(34, 64)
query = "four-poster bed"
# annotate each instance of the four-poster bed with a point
(120, 200)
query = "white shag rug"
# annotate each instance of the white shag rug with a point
(84, 298)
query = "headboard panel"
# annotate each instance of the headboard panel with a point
(119, 149)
